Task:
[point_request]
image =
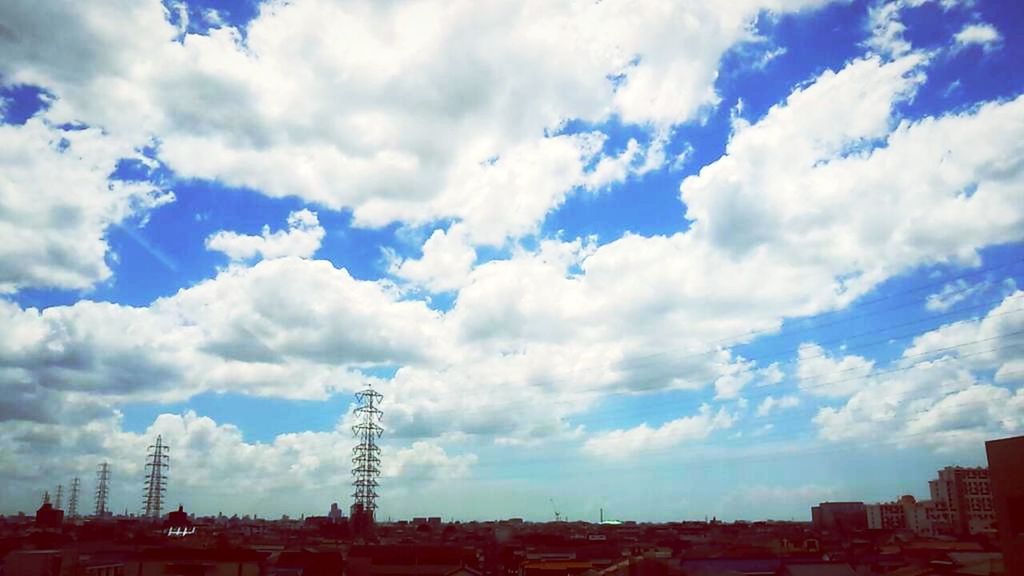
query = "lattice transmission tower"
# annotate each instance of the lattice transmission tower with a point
(58, 500)
(157, 462)
(366, 454)
(102, 489)
(73, 498)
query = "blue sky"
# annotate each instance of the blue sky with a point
(672, 261)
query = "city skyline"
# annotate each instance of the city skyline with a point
(668, 260)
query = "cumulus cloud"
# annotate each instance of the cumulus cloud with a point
(461, 119)
(445, 263)
(770, 404)
(301, 239)
(822, 374)
(287, 328)
(860, 199)
(56, 204)
(424, 460)
(643, 438)
(990, 342)
(886, 29)
(978, 34)
(936, 395)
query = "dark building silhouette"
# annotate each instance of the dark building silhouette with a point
(305, 563)
(360, 520)
(178, 519)
(841, 517)
(49, 517)
(1006, 476)
(409, 560)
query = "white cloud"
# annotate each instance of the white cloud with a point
(853, 196)
(572, 321)
(301, 239)
(445, 264)
(822, 375)
(771, 375)
(424, 460)
(287, 328)
(935, 397)
(983, 344)
(887, 29)
(952, 294)
(978, 34)
(770, 404)
(734, 380)
(643, 438)
(57, 205)
(405, 122)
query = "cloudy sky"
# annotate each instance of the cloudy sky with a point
(672, 259)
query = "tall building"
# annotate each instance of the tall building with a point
(1006, 475)
(968, 496)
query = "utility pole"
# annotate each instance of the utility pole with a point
(73, 498)
(366, 454)
(102, 489)
(158, 460)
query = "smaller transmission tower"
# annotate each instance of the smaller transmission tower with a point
(73, 498)
(46, 497)
(102, 489)
(156, 478)
(366, 454)
(58, 500)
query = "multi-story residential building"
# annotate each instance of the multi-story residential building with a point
(968, 497)
(961, 503)
(886, 516)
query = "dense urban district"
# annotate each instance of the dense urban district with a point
(973, 524)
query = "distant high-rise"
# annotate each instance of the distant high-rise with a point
(102, 489)
(73, 498)
(157, 462)
(366, 455)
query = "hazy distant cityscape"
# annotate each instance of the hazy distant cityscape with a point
(973, 523)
